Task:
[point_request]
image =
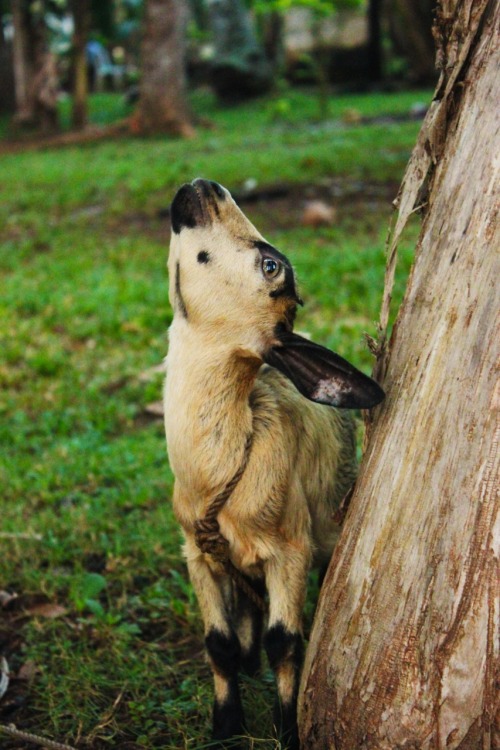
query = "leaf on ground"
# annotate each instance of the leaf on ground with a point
(31, 605)
(27, 671)
(48, 610)
(155, 409)
(6, 597)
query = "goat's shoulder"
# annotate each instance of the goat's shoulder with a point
(275, 397)
(313, 433)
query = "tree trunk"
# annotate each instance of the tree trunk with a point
(273, 26)
(81, 20)
(23, 64)
(35, 71)
(7, 89)
(404, 651)
(162, 93)
(375, 61)
(239, 69)
(410, 29)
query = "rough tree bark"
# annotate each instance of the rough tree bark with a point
(81, 19)
(404, 651)
(162, 104)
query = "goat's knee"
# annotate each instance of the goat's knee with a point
(285, 652)
(224, 655)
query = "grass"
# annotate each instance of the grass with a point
(105, 624)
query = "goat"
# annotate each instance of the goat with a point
(242, 418)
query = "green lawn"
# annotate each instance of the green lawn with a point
(86, 522)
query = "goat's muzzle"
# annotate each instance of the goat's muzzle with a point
(195, 204)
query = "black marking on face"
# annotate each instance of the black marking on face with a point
(186, 209)
(203, 257)
(288, 287)
(178, 293)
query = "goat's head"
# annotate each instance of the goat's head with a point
(223, 273)
(226, 279)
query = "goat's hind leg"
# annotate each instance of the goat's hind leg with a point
(222, 646)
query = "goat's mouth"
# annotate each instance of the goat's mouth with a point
(195, 204)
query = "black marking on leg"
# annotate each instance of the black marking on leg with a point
(281, 645)
(224, 653)
(228, 718)
(285, 721)
(178, 293)
(285, 648)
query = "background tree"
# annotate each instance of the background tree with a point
(409, 23)
(81, 20)
(162, 103)
(375, 55)
(319, 61)
(35, 72)
(404, 650)
(7, 90)
(239, 68)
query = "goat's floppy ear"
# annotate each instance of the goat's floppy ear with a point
(321, 375)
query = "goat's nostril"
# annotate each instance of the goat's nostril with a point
(218, 190)
(209, 188)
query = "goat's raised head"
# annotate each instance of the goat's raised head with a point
(227, 280)
(223, 274)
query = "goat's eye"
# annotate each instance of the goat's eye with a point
(271, 267)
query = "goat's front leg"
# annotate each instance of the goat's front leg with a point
(221, 642)
(286, 576)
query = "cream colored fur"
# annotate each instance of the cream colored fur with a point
(216, 394)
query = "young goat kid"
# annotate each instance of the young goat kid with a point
(266, 463)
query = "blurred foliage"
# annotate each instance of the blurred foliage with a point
(318, 7)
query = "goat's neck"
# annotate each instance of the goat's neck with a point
(207, 414)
